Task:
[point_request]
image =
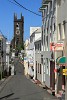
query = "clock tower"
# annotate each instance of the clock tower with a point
(18, 31)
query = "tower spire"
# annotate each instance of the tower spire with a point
(15, 16)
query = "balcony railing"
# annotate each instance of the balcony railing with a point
(46, 1)
(44, 4)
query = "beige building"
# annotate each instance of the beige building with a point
(62, 34)
(26, 44)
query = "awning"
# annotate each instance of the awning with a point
(61, 61)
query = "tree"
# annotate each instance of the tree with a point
(20, 47)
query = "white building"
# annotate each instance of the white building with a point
(38, 67)
(7, 55)
(29, 59)
(48, 10)
(35, 34)
(50, 44)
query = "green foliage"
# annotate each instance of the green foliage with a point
(20, 47)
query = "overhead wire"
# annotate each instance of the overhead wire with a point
(18, 4)
(13, 2)
(26, 8)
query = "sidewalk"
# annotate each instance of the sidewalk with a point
(45, 87)
(3, 82)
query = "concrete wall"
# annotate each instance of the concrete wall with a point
(34, 29)
(62, 16)
(37, 35)
(38, 59)
(7, 55)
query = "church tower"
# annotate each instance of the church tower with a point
(18, 32)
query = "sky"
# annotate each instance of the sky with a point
(7, 10)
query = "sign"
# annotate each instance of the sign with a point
(64, 71)
(55, 70)
(56, 46)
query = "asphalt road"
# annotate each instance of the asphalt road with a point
(19, 68)
(21, 88)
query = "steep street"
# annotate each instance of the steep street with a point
(21, 88)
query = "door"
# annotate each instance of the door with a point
(52, 75)
(36, 69)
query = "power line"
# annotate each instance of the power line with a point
(18, 4)
(26, 8)
(13, 3)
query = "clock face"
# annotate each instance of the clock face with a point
(17, 32)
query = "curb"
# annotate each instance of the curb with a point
(3, 84)
(47, 89)
(53, 93)
(2, 81)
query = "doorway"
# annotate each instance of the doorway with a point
(52, 75)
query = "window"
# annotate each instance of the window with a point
(36, 63)
(44, 39)
(17, 26)
(17, 41)
(64, 27)
(47, 64)
(40, 46)
(59, 29)
(40, 68)
(35, 46)
(47, 40)
(42, 59)
(54, 27)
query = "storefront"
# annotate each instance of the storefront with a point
(61, 71)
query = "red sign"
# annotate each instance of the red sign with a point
(56, 46)
(55, 70)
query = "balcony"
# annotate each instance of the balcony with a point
(46, 1)
(43, 7)
(44, 4)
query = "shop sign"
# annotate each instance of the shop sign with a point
(64, 71)
(56, 46)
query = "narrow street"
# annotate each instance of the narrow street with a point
(21, 88)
